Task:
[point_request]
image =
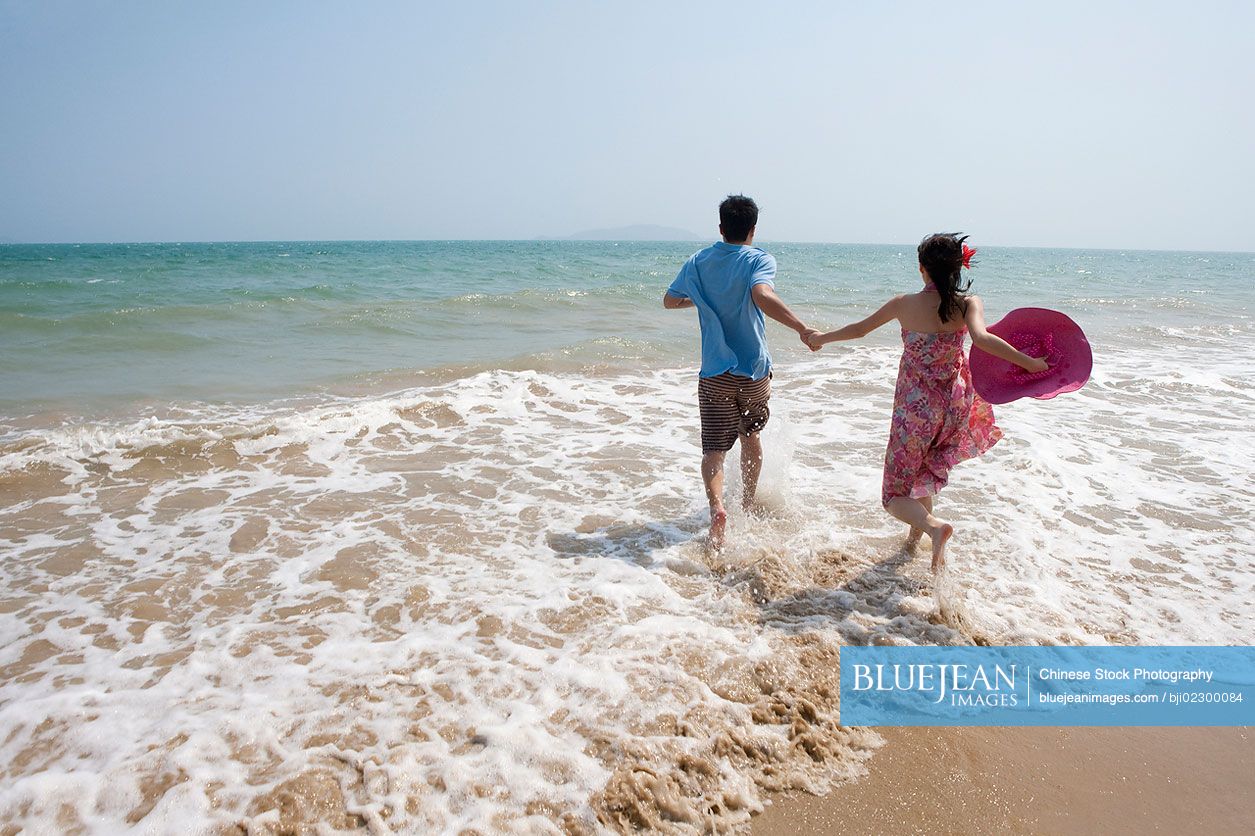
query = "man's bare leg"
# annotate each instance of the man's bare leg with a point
(751, 466)
(712, 476)
(915, 514)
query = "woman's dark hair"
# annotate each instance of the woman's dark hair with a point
(941, 256)
(738, 214)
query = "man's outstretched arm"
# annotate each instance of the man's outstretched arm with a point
(669, 301)
(773, 306)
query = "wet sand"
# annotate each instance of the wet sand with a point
(1037, 780)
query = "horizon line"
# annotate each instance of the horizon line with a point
(539, 240)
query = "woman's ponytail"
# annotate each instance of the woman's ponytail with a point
(943, 256)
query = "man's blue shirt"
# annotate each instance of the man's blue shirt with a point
(718, 280)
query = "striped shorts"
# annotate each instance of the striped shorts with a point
(731, 405)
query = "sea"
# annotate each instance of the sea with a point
(409, 537)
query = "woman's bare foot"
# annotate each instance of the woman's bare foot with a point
(718, 523)
(912, 537)
(940, 535)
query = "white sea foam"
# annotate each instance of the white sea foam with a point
(486, 604)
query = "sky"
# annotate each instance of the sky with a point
(1092, 124)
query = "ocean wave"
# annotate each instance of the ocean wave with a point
(494, 587)
(503, 597)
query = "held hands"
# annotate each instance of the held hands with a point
(810, 338)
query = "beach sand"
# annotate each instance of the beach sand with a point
(1037, 780)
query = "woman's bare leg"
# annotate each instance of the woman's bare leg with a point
(912, 537)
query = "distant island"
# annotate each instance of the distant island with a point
(636, 232)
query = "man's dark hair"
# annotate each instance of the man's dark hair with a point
(738, 215)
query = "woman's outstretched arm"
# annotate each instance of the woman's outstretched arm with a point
(888, 312)
(992, 343)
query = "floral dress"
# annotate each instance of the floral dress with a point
(938, 419)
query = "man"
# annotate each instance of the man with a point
(731, 283)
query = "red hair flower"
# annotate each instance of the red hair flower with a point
(968, 252)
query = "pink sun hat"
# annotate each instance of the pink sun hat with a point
(1038, 332)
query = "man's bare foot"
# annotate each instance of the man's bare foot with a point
(940, 535)
(912, 537)
(718, 523)
(754, 508)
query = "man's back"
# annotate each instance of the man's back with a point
(718, 281)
